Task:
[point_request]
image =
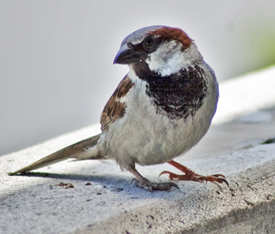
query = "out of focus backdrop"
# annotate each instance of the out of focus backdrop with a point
(56, 57)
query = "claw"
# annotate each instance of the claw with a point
(218, 175)
(225, 181)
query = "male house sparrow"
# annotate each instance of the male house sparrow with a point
(160, 109)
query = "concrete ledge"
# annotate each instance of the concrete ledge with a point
(245, 95)
(96, 197)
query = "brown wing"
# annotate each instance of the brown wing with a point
(115, 109)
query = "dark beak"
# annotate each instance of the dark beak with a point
(127, 55)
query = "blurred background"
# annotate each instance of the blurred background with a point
(56, 71)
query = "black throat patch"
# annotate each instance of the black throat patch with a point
(178, 95)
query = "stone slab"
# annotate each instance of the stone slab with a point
(96, 197)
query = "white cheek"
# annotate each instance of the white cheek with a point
(169, 58)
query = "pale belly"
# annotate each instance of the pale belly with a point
(147, 138)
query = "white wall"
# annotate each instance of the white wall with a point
(56, 57)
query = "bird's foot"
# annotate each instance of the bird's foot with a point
(149, 186)
(219, 178)
(190, 175)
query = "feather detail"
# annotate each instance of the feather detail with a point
(115, 107)
(176, 34)
(80, 150)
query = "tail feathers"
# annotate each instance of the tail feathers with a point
(85, 149)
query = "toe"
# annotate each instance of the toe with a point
(164, 186)
(148, 186)
(172, 175)
(222, 180)
(142, 184)
(219, 175)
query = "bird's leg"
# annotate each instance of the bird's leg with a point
(190, 175)
(142, 182)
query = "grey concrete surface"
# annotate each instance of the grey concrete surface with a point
(96, 197)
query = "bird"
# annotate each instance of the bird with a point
(159, 111)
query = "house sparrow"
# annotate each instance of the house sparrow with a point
(159, 111)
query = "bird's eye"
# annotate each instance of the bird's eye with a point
(148, 41)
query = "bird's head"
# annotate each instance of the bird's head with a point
(162, 49)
